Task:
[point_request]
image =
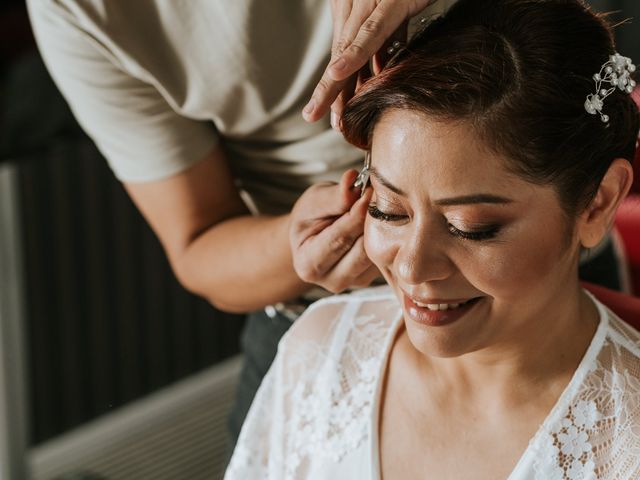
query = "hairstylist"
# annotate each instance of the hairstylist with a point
(197, 108)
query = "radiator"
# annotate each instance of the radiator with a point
(103, 319)
(176, 433)
(107, 322)
(107, 364)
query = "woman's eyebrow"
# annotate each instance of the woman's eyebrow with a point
(386, 183)
(474, 198)
(460, 200)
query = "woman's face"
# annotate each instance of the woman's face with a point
(476, 255)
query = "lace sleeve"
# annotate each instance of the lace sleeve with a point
(255, 454)
(313, 408)
(598, 434)
(260, 451)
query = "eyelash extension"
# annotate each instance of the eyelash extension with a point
(380, 215)
(476, 236)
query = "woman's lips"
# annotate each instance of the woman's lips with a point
(446, 313)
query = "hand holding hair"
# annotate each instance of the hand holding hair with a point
(362, 30)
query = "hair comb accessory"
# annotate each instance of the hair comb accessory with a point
(362, 180)
(395, 46)
(615, 73)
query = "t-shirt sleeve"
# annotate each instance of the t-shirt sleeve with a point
(142, 137)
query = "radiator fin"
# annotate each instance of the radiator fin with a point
(178, 432)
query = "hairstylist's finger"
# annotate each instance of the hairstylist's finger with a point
(327, 89)
(355, 83)
(330, 202)
(346, 272)
(364, 74)
(320, 206)
(323, 96)
(343, 97)
(367, 277)
(327, 248)
(360, 10)
(321, 253)
(371, 36)
(388, 50)
(340, 10)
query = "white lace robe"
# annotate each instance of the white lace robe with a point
(315, 414)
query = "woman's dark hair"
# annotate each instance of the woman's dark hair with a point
(518, 72)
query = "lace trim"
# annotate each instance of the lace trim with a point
(345, 400)
(598, 436)
(316, 405)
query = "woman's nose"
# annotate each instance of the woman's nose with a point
(422, 258)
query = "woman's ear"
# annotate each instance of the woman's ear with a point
(598, 217)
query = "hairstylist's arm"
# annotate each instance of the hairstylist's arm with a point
(361, 28)
(241, 262)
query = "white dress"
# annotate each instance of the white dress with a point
(315, 414)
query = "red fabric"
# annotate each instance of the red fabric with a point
(636, 170)
(636, 164)
(628, 226)
(625, 306)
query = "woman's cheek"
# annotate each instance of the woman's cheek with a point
(378, 244)
(508, 270)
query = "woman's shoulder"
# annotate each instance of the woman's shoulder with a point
(615, 373)
(626, 339)
(335, 328)
(603, 417)
(616, 339)
(332, 316)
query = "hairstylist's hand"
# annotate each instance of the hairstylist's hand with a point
(327, 223)
(361, 28)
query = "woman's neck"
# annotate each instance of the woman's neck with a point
(537, 359)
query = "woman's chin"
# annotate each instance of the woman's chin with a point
(447, 336)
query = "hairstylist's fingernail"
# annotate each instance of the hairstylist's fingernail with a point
(339, 64)
(309, 107)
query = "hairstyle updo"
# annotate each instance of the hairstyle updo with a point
(518, 73)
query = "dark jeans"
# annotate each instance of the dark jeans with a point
(262, 334)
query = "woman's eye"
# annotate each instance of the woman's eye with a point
(380, 215)
(476, 235)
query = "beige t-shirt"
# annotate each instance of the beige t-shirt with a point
(158, 84)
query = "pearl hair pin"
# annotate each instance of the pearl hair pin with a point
(616, 73)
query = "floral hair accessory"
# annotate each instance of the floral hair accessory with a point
(615, 73)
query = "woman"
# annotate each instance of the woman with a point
(500, 142)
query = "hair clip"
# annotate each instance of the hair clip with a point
(395, 46)
(362, 180)
(616, 72)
